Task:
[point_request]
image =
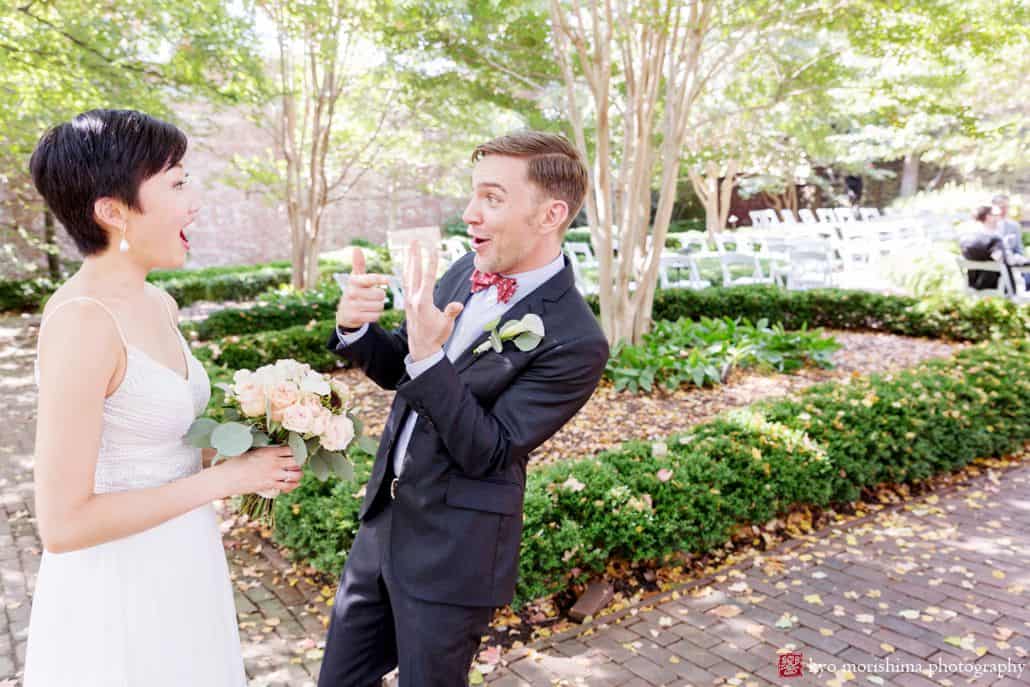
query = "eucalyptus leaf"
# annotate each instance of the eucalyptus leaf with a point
(260, 438)
(340, 465)
(231, 414)
(232, 439)
(299, 448)
(320, 468)
(199, 434)
(368, 445)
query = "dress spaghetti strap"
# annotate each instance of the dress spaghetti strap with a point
(57, 307)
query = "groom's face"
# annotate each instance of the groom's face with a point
(502, 215)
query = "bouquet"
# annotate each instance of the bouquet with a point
(286, 403)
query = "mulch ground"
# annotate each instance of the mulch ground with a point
(611, 417)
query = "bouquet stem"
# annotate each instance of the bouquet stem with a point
(258, 509)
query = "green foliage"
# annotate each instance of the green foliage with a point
(234, 283)
(320, 518)
(305, 342)
(688, 493)
(703, 353)
(928, 274)
(955, 318)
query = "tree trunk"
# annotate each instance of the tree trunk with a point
(910, 175)
(53, 258)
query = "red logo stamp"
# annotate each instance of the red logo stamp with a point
(790, 665)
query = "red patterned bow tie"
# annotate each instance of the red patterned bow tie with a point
(505, 285)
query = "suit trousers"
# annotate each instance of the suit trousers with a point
(375, 626)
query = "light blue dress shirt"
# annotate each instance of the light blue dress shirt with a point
(481, 309)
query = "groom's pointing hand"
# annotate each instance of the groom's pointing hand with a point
(363, 298)
(428, 326)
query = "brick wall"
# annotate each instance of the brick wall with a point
(236, 227)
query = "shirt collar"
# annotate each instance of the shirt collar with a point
(529, 281)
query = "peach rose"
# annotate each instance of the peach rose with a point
(283, 395)
(298, 418)
(320, 420)
(338, 434)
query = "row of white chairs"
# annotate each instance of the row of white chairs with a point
(769, 217)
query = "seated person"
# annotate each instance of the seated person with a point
(988, 244)
(1010, 230)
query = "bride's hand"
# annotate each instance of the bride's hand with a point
(262, 469)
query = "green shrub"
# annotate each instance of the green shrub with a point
(956, 318)
(305, 342)
(703, 353)
(647, 501)
(25, 295)
(233, 283)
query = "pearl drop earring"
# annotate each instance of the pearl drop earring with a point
(124, 245)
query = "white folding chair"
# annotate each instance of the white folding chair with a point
(810, 267)
(1020, 293)
(680, 272)
(807, 217)
(788, 216)
(1003, 287)
(757, 218)
(844, 215)
(582, 258)
(731, 259)
(826, 215)
(869, 214)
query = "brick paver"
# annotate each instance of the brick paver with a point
(943, 579)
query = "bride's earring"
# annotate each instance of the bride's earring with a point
(124, 245)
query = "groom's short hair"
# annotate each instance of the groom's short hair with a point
(555, 166)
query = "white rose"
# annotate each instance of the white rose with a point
(298, 418)
(251, 398)
(338, 434)
(290, 369)
(315, 383)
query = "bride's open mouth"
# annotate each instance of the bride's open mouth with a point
(185, 241)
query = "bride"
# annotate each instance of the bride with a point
(133, 586)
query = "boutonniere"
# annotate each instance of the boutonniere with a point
(527, 333)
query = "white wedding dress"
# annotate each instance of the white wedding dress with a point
(154, 609)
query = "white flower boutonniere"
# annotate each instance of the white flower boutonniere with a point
(527, 334)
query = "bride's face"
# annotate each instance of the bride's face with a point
(157, 232)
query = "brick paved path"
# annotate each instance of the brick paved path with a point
(944, 577)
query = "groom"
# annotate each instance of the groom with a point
(438, 545)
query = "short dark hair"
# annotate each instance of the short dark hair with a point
(555, 166)
(101, 154)
(982, 213)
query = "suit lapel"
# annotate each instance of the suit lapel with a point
(551, 290)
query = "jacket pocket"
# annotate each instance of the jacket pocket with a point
(504, 498)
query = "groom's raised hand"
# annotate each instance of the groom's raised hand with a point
(428, 326)
(363, 298)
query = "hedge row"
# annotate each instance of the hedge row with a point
(956, 318)
(646, 501)
(186, 286)
(305, 342)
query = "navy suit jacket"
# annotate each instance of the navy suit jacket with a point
(457, 517)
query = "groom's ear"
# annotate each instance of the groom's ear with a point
(555, 214)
